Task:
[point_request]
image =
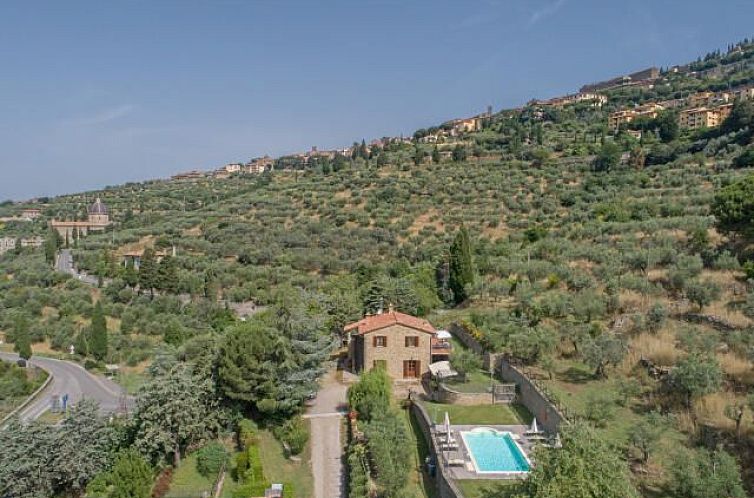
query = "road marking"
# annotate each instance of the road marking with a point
(324, 415)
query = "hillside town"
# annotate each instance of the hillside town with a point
(553, 299)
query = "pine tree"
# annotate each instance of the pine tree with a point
(461, 266)
(98, 334)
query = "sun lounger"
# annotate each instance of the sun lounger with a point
(456, 462)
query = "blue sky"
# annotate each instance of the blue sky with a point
(99, 93)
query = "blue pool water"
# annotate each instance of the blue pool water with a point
(494, 451)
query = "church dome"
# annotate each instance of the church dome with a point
(98, 207)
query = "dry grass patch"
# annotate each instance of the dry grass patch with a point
(659, 348)
(740, 369)
(710, 409)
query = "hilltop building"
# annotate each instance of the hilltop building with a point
(259, 165)
(644, 77)
(188, 175)
(704, 117)
(596, 99)
(618, 118)
(98, 219)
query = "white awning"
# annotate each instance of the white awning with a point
(442, 369)
(443, 334)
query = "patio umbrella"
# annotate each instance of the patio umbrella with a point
(447, 424)
(534, 429)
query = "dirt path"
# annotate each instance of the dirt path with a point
(325, 416)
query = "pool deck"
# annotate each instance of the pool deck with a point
(456, 456)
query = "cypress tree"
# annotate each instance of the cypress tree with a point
(167, 275)
(22, 339)
(461, 266)
(148, 271)
(98, 334)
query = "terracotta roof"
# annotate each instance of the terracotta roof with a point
(376, 322)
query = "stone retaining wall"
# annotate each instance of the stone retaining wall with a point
(462, 335)
(547, 414)
(445, 394)
(446, 487)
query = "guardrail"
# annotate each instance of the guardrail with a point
(29, 399)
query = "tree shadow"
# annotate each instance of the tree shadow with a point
(576, 375)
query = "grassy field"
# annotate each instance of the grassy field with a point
(278, 468)
(419, 484)
(187, 482)
(478, 414)
(477, 488)
(475, 382)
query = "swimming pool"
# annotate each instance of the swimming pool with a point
(495, 452)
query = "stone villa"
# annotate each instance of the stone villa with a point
(402, 344)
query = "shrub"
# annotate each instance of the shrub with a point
(210, 459)
(294, 434)
(247, 433)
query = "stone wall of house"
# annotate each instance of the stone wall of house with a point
(446, 487)
(548, 416)
(396, 352)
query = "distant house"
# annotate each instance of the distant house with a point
(704, 117)
(188, 175)
(7, 244)
(466, 125)
(233, 167)
(32, 242)
(649, 110)
(259, 165)
(596, 100)
(31, 213)
(401, 344)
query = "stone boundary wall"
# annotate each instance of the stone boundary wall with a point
(462, 335)
(446, 487)
(549, 417)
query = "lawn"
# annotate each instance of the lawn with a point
(480, 488)
(279, 469)
(187, 481)
(475, 382)
(131, 381)
(478, 414)
(419, 484)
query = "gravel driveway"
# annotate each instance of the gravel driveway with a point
(325, 415)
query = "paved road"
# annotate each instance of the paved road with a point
(69, 378)
(325, 416)
(64, 264)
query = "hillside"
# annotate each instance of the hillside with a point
(596, 253)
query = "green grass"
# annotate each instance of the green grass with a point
(187, 481)
(279, 469)
(478, 414)
(575, 387)
(475, 382)
(479, 488)
(420, 485)
(131, 381)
